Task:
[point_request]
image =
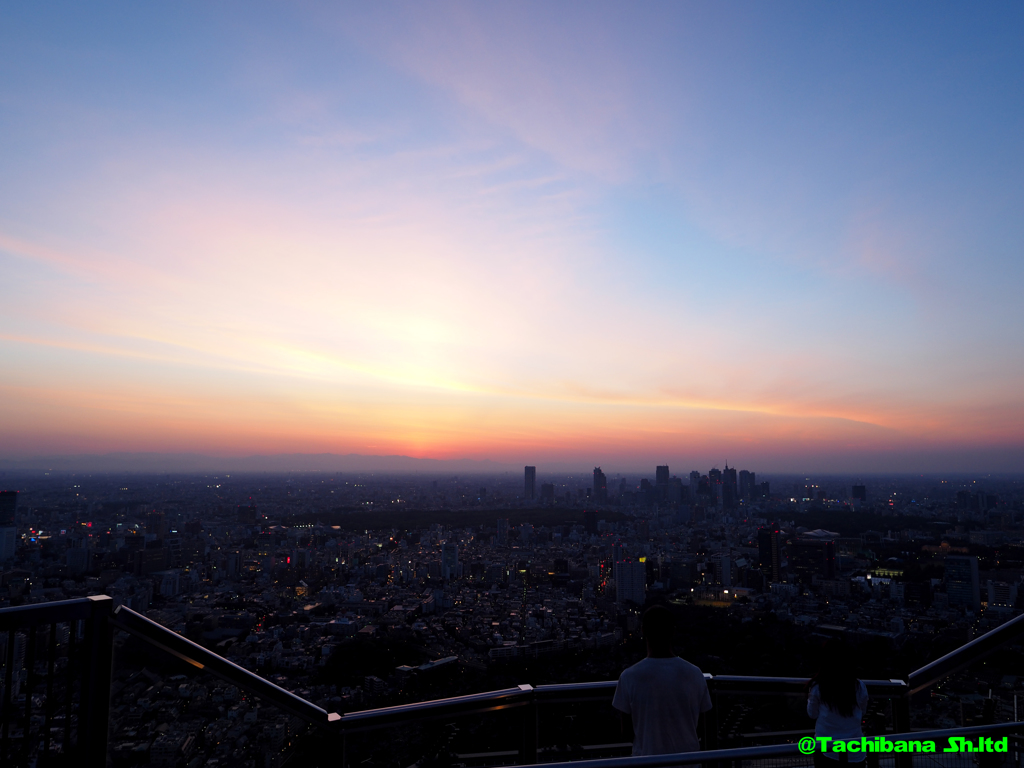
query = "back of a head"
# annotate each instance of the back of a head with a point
(836, 679)
(658, 627)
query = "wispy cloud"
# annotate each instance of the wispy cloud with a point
(472, 230)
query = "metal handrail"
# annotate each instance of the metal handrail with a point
(473, 703)
(146, 629)
(554, 689)
(965, 655)
(566, 693)
(57, 612)
(775, 750)
(92, 651)
(98, 609)
(130, 621)
(574, 692)
(793, 686)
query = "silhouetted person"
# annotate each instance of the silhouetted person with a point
(836, 700)
(662, 694)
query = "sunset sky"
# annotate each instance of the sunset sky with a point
(785, 235)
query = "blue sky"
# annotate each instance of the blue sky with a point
(523, 232)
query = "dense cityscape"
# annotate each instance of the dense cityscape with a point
(370, 371)
(362, 591)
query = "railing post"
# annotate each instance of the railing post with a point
(711, 717)
(7, 702)
(94, 709)
(901, 724)
(710, 722)
(528, 750)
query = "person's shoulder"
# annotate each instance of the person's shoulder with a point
(688, 667)
(632, 670)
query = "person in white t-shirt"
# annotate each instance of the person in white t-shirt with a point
(663, 695)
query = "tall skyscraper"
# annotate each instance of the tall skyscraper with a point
(722, 564)
(747, 485)
(675, 491)
(647, 491)
(730, 493)
(449, 560)
(590, 521)
(630, 581)
(531, 483)
(502, 536)
(962, 583)
(600, 485)
(547, 493)
(661, 476)
(729, 481)
(8, 524)
(860, 493)
(764, 548)
(777, 542)
(526, 534)
(715, 485)
(769, 547)
(8, 508)
(694, 485)
(8, 543)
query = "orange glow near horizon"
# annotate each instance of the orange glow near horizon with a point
(302, 416)
(513, 233)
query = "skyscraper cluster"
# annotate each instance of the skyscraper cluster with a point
(721, 489)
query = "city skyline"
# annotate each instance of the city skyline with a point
(348, 593)
(578, 236)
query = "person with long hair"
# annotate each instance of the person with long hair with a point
(836, 700)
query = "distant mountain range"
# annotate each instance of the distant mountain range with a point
(161, 463)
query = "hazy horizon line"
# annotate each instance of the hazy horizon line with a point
(156, 462)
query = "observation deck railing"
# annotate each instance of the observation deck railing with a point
(65, 648)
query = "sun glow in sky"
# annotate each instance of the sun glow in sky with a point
(789, 235)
